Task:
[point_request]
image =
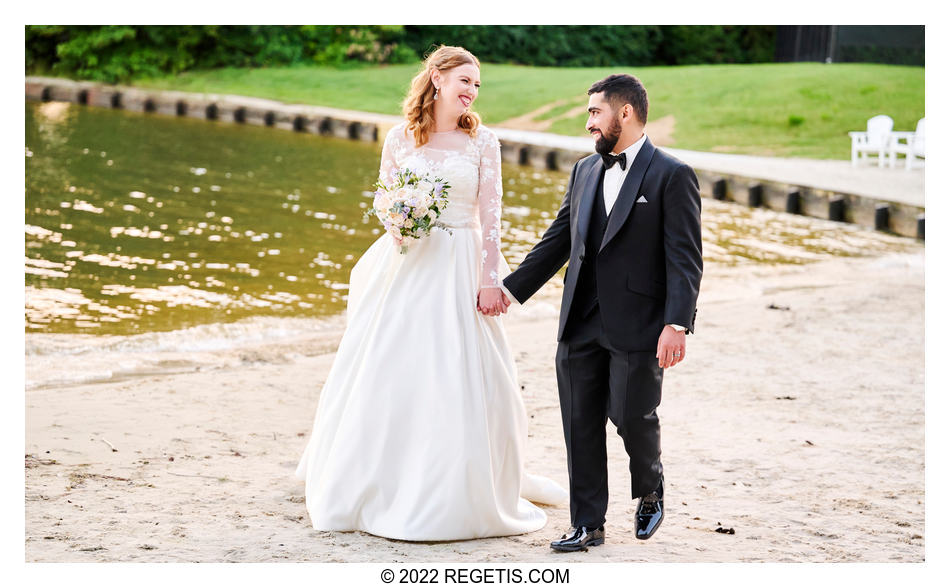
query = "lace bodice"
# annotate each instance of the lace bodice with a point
(472, 166)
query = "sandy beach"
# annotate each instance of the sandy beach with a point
(795, 425)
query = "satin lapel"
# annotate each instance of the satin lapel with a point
(628, 192)
(587, 199)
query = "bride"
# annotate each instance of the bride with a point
(420, 430)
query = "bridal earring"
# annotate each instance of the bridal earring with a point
(436, 97)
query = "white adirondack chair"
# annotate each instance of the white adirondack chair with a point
(910, 144)
(876, 139)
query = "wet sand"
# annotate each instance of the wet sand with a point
(796, 424)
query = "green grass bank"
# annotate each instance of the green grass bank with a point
(784, 110)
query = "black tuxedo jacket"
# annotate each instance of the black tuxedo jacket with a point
(650, 261)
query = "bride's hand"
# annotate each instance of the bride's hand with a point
(491, 301)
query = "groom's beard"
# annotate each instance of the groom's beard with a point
(608, 139)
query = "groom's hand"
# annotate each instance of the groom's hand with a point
(671, 348)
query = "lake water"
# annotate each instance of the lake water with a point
(142, 223)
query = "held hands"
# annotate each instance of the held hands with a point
(492, 301)
(671, 348)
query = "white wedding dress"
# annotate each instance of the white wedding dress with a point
(420, 430)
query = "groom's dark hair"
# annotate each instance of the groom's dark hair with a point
(620, 89)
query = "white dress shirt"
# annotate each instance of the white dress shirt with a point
(614, 177)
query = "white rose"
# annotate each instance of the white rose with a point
(417, 195)
(403, 194)
(383, 201)
(419, 212)
(425, 187)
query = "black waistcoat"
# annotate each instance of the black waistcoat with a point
(585, 294)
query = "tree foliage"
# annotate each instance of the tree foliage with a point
(545, 45)
(126, 52)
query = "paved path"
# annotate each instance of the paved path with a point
(894, 185)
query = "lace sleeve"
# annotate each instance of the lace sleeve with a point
(489, 206)
(387, 162)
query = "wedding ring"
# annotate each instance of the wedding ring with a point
(677, 354)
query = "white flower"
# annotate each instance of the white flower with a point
(403, 194)
(425, 186)
(383, 201)
(419, 212)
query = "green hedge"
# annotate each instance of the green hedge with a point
(601, 46)
(544, 45)
(122, 53)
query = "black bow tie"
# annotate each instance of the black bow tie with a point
(610, 160)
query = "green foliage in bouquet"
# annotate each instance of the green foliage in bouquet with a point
(409, 207)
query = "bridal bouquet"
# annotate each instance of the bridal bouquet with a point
(410, 205)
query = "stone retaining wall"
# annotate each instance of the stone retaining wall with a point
(901, 219)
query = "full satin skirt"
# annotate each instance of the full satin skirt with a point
(420, 430)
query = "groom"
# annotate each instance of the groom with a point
(629, 230)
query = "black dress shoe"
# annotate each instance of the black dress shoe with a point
(650, 513)
(579, 538)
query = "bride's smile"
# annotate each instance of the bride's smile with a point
(454, 92)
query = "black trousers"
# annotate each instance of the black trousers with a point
(597, 382)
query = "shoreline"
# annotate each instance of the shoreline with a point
(886, 200)
(803, 385)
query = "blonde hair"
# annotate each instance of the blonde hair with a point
(419, 105)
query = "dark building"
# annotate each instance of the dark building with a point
(899, 44)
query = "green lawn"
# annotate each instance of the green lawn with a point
(790, 110)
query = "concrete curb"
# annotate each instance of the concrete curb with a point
(540, 150)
